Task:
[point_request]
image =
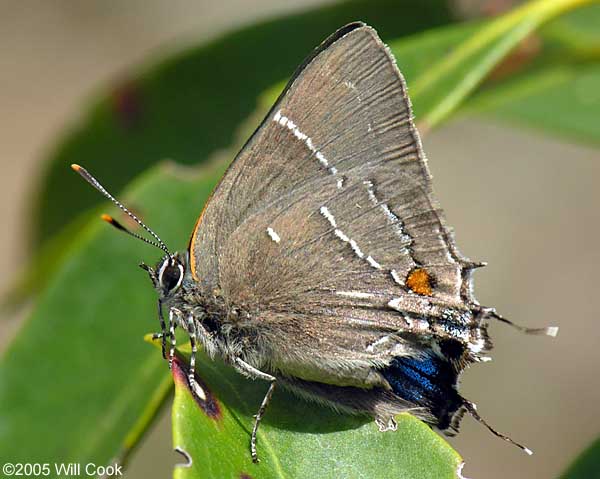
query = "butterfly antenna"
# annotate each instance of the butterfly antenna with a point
(109, 219)
(472, 409)
(113, 222)
(547, 331)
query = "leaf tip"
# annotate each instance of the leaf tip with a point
(150, 338)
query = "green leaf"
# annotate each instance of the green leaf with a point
(296, 438)
(587, 465)
(577, 31)
(566, 70)
(41, 267)
(444, 85)
(572, 112)
(189, 106)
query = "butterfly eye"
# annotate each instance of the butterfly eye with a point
(170, 276)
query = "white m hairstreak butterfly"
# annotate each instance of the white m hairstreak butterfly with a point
(322, 261)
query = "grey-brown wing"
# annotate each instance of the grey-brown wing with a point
(327, 214)
(345, 112)
(321, 273)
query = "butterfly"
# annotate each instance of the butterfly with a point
(322, 262)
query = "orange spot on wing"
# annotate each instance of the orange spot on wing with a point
(419, 281)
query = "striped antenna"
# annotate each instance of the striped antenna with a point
(109, 219)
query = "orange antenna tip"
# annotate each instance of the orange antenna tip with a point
(113, 222)
(75, 167)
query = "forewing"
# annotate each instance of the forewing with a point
(327, 213)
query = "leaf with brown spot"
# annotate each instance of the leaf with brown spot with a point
(296, 436)
(209, 403)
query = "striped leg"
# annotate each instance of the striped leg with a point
(254, 373)
(258, 417)
(172, 325)
(191, 329)
(163, 331)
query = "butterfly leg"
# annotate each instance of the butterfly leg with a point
(250, 371)
(258, 417)
(191, 329)
(172, 325)
(163, 331)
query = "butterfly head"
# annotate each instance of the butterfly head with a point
(167, 276)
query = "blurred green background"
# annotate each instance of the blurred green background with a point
(520, 199)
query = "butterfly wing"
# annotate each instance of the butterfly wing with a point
(325, 228)
(345, 117)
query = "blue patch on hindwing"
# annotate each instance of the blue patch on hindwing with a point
(428, 381)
